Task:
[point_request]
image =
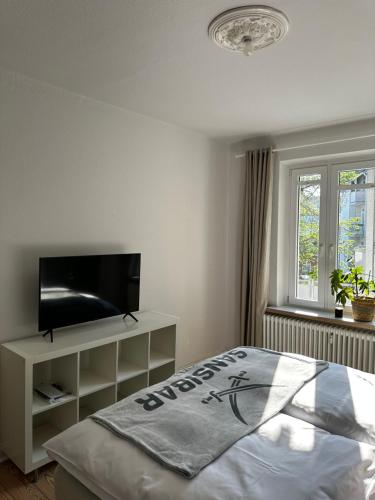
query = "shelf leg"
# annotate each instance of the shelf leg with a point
(35, 476)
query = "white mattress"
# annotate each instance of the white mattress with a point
(285, 458)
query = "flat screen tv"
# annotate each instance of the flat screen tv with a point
(75, 290)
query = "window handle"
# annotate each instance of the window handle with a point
(321, 249)
(331, 248)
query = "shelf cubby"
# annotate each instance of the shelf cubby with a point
(97, 368)
(96, 401)
(161, 373)
(132, 385)
(162, 346)
(40, 404)
(133, 357)
(49, 423)
(62, 371)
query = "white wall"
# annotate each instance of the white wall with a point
(345, 148)
(80, 177)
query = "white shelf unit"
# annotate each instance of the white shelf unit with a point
(97, 364)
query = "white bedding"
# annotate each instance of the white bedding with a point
(340, 400)
(285, 459)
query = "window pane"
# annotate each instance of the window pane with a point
(308, 242)
(359, 176)
(355, 239)
(313, 177)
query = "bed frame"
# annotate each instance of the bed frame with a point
(67, 486)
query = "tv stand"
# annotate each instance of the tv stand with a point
(96, 364)
(50, 332)
(130, 314)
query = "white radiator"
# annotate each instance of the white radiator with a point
(355, 348)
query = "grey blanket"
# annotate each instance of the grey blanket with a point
(191, 418)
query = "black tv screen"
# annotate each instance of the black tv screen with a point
(75, 290)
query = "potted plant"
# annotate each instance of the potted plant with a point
(339, 291)
(352, 285)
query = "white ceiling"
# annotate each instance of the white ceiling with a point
(154, 57)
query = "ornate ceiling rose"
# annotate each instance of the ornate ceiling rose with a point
(244, 30)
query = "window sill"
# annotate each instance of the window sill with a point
(320, 316)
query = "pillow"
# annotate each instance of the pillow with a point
(340, 400)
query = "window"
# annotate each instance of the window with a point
(333, 216)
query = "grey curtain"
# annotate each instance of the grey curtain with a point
(256, 244)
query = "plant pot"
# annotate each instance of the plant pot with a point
(363, 308)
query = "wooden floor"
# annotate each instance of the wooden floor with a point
(16, 486)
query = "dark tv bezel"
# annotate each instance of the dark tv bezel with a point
(83, 256)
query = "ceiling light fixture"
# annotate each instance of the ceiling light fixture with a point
(244, 30)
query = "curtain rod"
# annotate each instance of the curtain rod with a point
(278, 150)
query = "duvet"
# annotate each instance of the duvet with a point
(287, 458)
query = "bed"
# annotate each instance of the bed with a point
(320, 447)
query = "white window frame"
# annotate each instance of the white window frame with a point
(328, 224)
(294, 175)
